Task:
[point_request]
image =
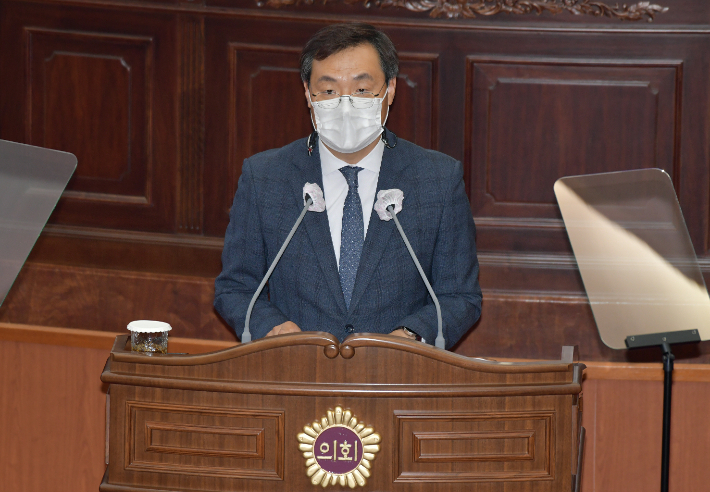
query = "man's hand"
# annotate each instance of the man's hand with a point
(283, 328)
(400, 333)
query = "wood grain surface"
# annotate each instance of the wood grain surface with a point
(52, 414)
(52, 408)
(107, 300)
(401, 388)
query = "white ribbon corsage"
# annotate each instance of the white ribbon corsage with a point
(385, 198)
(316, 195)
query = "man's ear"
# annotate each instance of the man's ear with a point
(307, 94)
(391, 87)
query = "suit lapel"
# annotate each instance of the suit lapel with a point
(378, 231)
(316, 223)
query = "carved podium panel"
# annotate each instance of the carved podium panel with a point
(275, 415)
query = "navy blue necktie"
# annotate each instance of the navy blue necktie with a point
(352, 235)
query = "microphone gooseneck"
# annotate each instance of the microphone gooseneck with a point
(440, 342)
(246, 336)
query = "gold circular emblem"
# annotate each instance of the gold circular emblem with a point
(338, 449)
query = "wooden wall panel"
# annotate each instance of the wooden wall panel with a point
(414, 112)
(580, 103)
(513, 323)
(516, 324)
(624, 418)
(190, 196)
(534, 302)
(531, 122)
(77, 80)
(534, 122)
(63, 449)
(100, 84)
(183, 254)
(253, 102)
(492, 12)
(267, 108)
(107, 300)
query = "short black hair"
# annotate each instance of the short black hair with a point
(338, 37)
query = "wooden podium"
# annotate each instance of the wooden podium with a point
(229, 420)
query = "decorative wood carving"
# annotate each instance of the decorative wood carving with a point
(515, 445)
(159, 434)
(469, 9)
(178, 439)
(476, 446)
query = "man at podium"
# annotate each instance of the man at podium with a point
(346, 270)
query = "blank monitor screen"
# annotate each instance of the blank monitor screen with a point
(634, 254)
(31, 181)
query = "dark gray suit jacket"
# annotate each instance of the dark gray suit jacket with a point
(305, 286)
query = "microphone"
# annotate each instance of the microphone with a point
(389, 204)
(313, 201)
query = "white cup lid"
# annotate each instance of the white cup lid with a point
(148, 326)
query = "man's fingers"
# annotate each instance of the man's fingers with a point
(283, 328)
(289, 327)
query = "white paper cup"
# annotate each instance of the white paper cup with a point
(149, 337)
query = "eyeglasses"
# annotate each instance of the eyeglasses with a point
(331, 99)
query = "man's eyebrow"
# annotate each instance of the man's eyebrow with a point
(363, 76)
(326, 78)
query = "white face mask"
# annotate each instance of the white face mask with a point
(346, 129)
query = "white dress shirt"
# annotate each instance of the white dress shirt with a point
(335, 188)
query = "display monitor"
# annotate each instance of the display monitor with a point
(31, 181)
(635, 255)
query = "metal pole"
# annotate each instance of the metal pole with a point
(668, 359)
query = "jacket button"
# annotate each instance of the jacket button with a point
(350, 328)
